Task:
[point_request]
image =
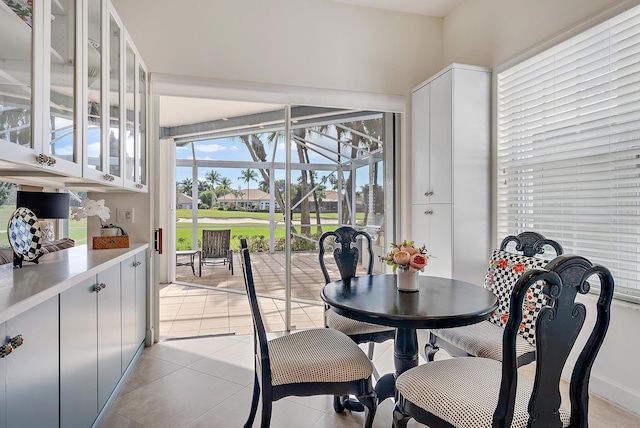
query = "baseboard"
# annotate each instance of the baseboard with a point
(116, 391)
(610, 391)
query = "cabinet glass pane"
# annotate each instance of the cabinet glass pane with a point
(114, 97)
(129, 144)
(16, 36)
(94, 85)
(62, 94)
(142, 126)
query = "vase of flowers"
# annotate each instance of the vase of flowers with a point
(407, 260)
(89, 208)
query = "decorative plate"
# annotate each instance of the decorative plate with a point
(24, 233)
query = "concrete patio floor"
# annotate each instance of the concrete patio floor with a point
(215, 303)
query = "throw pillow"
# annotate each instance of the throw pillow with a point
(504, 271)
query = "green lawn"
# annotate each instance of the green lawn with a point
(238, 230)
(182, 213)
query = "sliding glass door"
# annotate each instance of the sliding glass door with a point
(278, 178)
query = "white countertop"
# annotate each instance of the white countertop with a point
(23, 288)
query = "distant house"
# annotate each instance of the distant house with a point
(249, 199)
(184, 201)
(329, 202)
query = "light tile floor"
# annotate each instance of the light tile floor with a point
(185, 381)
(207, 382)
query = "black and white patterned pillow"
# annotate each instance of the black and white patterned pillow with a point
(504, 271)
(25, 235)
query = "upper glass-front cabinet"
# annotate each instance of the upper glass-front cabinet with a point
(73, 92)
(135, 117)
(38, 85)
(16, 55)
(115, 104)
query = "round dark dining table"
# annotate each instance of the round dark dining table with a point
(439, 303)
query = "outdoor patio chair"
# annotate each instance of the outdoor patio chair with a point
(485, 339)
(347, 256)
(483, 392)
(216, 249)
(319, 361)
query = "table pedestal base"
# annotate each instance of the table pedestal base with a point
(405, 353)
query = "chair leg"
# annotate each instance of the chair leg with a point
(400, 419)
(370, 402)
(266, 414)
(430, 348)
(254, 402)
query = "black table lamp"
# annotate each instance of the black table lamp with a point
(45, 206)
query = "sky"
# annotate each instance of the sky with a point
(229, 149)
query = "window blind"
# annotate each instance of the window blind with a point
(568, 151)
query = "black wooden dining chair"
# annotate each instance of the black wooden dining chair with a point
(346, 256)
(483, 392)
(319, 361)
(505, 267)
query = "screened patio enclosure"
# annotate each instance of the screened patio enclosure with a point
(292, 171)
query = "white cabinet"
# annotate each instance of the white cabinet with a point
(38, 86)
(4, 346)
(450, 146)
(133, 285)
(29, 374)
(95, 352)
(109, 333)
(116, 100)
(90, 347)
(79, 355)
(73, 96)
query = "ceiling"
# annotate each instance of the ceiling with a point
(437, 8)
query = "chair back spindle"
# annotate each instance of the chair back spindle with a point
(260, 343)
(345, 253)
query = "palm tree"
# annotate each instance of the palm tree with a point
(248, 175)
(213, 177)
(224, 186)
(186, 186)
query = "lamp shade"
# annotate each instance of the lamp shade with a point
(44, 204)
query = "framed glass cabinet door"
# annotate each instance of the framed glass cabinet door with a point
(61, 142)
(16, 94)
(94, 162)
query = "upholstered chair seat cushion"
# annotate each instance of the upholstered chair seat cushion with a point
(350, 326)
(317, 355)
(483, 339)
(449, 389)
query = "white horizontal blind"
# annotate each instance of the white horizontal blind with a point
(569, 147)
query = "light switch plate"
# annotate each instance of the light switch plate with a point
(125, 215)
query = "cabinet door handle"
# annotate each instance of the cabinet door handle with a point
(16, 341)
(44, 159)
(136, 264)
(139, 186)
(99, 287)
(428, 212)
(5, 350)
(429, 193)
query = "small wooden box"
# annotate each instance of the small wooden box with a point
(106, 242)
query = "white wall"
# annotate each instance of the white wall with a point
(490, 32)
(310, 43)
